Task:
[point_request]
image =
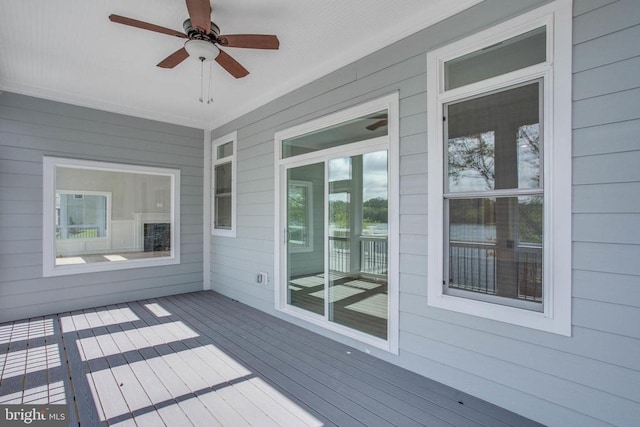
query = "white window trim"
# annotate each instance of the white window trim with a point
(232, 137)
(557, 16)
(391, 143)
(49, 268)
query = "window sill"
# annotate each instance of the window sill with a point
(560, 325)
(223, 233)
(64, 270)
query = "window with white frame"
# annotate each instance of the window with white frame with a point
(500, 172)
(223, 185)
(100, 216)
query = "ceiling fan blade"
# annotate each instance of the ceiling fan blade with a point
(145, 26)
(174, 59)
(200, 14)
(251, 41)
(378, 124)
(232, 66)
(379, 117)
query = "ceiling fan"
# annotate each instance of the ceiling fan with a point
(203, 39)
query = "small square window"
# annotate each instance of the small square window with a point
(225, 150)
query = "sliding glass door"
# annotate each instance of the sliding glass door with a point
(337, 239)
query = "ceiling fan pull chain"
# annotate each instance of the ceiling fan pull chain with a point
(202, 80)
(209, 95)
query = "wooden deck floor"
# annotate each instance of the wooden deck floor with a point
(203, 359)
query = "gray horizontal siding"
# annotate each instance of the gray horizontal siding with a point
(602, 21)
(588, 379)
(607, 168)
(614, 288)
(585, 6)
(619, 137)
(607, 258)
(606, 228)
(596, 81)
(607, 198)
(31, 128)
(605, 109)
(607, 49)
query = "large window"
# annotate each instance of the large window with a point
(494, 198)
(223, 186)
(337, 236)
(499, 172)
(105, 216)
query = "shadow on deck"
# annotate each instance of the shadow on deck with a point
(204, 359)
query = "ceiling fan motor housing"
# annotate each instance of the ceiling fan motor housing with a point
(196, 34)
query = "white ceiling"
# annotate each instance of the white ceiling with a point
(68, 50)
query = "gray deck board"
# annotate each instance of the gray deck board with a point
(160, 383)
(86, 409)
(130, 385)
(352, 397)
(36, 386)
(272, 369)
(105, 390)
(56, 375)
(205, 375)
(270, 372)
(403, 384)
(205, 360)
(385, 393)
(184, 366)
(409, 387)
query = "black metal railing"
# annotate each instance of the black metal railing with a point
(472, 267)
(530, 272)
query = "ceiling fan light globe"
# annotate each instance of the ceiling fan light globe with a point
(202, 50)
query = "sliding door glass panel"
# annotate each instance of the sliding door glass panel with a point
(305, 237)
(375, 215)
(357, 252)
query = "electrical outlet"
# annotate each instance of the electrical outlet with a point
(262, 278)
